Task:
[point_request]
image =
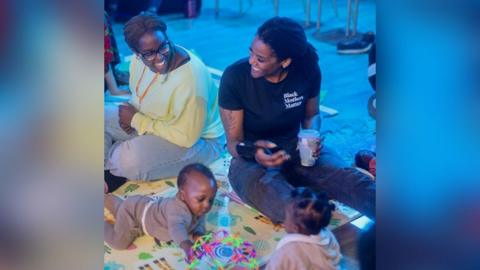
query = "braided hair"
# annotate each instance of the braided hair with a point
(288, 40)
(311, 211)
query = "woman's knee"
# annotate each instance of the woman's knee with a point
(110, 113)
(126, 161)
(329, 157)
(244, 176)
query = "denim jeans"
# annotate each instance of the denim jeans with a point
(268, 190)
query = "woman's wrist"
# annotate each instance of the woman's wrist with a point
(232, 148)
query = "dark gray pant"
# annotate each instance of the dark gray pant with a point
(268, 190)
(128, 216)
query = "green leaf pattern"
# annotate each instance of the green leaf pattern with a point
(144, 256)
(250, 230)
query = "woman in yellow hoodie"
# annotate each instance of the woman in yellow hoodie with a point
(172, 118)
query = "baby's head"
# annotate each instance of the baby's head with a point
(197, 188)
(367, 160)
(308, 212)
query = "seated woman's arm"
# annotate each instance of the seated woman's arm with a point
(312, 119)
(233, 124)
(185, 125)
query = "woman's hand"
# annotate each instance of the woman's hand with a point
(125, 114)
(316, 153)
(274, 160)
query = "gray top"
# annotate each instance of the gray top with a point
(170, 219)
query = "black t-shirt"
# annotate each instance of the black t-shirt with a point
(272, 111)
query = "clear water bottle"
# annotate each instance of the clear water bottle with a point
(224, 219)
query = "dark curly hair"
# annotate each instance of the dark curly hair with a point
(288, 40)
(311, 211)
(146, 22)
(143, 23)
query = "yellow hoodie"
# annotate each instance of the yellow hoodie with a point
(181, 109)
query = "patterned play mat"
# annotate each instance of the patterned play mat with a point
(228, 213)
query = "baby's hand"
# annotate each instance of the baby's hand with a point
(186, 246)
(195, 236)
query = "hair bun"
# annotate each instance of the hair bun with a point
(303, 204)
(331, 206)
(322, 195)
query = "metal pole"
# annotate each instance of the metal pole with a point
(275, 6)
(319, 14)
(335, 8)
(349, 14)
(307, 15)
(355, 18)
(216, 8)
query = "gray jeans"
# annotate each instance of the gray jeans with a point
(149, 157)
(268, 190)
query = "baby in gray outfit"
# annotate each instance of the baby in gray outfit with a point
(173, 218)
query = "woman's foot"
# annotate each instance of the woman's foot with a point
(112, 182)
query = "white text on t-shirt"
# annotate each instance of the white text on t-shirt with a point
(292, 100)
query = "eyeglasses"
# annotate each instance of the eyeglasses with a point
(162, 50)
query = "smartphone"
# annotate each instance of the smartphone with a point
(246, 150)
(273, 150)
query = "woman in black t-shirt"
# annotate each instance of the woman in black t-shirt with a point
(264, 101)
